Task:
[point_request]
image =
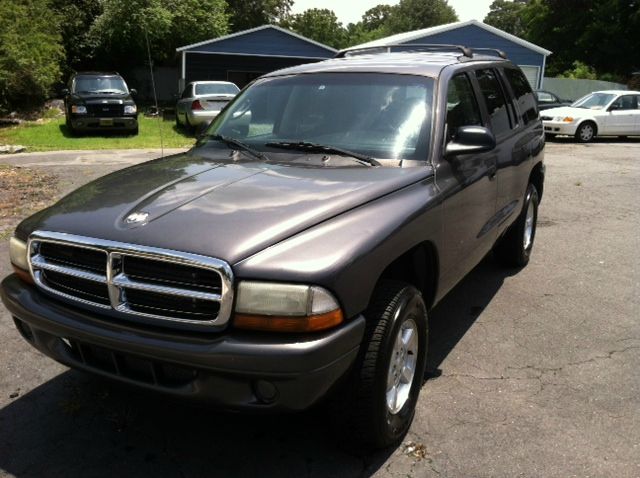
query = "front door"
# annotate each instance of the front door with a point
(469, 186)
(622, 116)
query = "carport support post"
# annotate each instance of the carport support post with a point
(184, 71)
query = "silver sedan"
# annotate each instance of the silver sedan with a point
(201, 101)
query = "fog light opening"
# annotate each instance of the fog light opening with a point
(24, 330)
(265, 391)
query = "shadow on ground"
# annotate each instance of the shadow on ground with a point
(78, 425)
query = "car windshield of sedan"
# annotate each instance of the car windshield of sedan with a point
(385, 116)
(99, 84)
(594, 101)
(216, 89)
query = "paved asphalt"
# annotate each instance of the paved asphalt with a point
(532, 374)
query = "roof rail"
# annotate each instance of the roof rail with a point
(500, 53)
(407, 46)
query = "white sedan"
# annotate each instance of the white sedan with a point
(601, 113)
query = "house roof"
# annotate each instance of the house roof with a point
(425, 32)
(253, 30)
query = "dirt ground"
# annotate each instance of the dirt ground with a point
(531, 374)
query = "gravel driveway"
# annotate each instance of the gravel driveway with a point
(531, 374)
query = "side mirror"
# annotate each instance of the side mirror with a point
(470, 139)
(65, 91)
(133, 91)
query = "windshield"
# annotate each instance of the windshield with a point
(594, 101)
(216, 89)
(99, 84)
(385, 116)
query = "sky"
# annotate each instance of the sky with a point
(350, 11)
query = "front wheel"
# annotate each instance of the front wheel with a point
(378, 405)
(586, 132)
(514, 248)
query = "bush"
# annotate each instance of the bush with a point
(30, 52)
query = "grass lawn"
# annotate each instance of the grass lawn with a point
(52, 135)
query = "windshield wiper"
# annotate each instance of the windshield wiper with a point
(238, 144)
(307, 146)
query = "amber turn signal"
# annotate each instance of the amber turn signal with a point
(22, 274)
(311, 323)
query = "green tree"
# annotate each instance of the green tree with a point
(602, 33)
(30, 52)
(121, 31)
(75, 18)
(320, 25)
(507, 16)
(417, 14)
(247, 14)
(580, 71)
(377, 17)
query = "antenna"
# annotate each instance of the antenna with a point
(153, 86)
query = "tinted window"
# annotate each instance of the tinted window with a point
(495, 100)
(462, 107)
(524, 96)
(99, 84)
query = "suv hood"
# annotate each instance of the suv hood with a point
(206, 203)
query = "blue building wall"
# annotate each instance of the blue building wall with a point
(267, 42)
(474, 36)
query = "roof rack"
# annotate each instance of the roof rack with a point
(410, 46)
(466, 51)
(500, 53)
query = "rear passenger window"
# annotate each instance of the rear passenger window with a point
(524, 96)
(462, 107)
(495, 100)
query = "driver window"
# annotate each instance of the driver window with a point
(462, 107)
(627, 102)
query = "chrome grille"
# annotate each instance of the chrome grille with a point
(133, 280)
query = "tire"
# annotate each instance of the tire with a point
(178, 124)
(70, 129)
(514, 248)
(189, 128)
(364, 411)
(586, 132)
(135, 131)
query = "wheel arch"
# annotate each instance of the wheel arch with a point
(418, 266)
(589, 120)
(537, 179)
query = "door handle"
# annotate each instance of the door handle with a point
(491, 173)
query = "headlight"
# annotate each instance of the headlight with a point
(285, 307)
(563, 119)
(130, 109)
(79, 109)
(19, 258)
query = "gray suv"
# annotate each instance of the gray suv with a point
(292, 256)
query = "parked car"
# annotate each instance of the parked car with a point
(602, 113)
(201, 101)
(98, 101)
(293, 254)
(547, 100)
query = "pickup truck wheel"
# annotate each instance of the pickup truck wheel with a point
(378, 407)
(514, 248)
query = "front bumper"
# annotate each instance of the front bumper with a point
(560, 127)
(247, 371)
(89, 123)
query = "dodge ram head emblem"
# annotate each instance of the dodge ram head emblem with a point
(137, 217)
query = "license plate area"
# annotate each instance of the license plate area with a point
(106, 122)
